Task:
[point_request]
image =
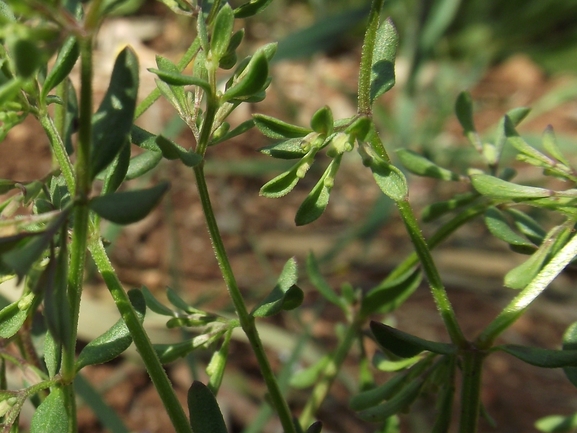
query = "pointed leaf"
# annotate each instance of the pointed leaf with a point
(251, 80)
(171, 150)
(221, 33)
(178, 79)
(406, 345)
(52, 355)
(527, 225)
(545, 358)
(113, 342)
(317, 201)
(113, 120)
(322, 121)
(499, 226)
(388, 296)
(62, 67)
(240, 129)
(286, 295)
(421, 166)
(116, 172)
(494, 187)
(570, 343)
(142, 164)
(52, 415)
(395, 405)
(205, 415)
(278, 129)
(127, 207)
(515, 116)
(282, 184)
(12, 317)
(384, 53)
(288, 149)
(436, 210)
(315, 427)
(551, 146)
(154, 305)
(320, 283)
(522, 146)
(464, 112)
(251, 8)
(374, 396)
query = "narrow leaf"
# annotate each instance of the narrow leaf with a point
(436, 210)
(142, 163)
(545, 358)
(421, 166)
(288, 149)
(390, 179)
(282, 184)
(205, 415)
(522, 146)
(499, 226)
(154, 305)
(307, 377)
(374, 396)
(113, 342)
(384, 53)
(221, 33)
(251, 80)
(494, 187)
(178, 79)
(113, 120)
(278, 129)
(171, 150)
(251, 8)
(320, 283)
(127, 207)
(12, 317)
(395, 405)
(557, 424)
(388, 296)
(406, 345)
(285, 295)
(527, 225)
(570, 343)
(322, 121)
(62, 67)
(551, 146)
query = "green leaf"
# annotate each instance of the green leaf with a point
(113, 342)
(496, 188)
(168, 353)
(62, 67)
(320, 283)
(56, 305)
(13, 316)
(388, 296)
(382, 363)
(26, 54)
(277, 129)
(52, 415)
(288, 149)
(251, 80)
(178, 79)
(216, 366)
(421, 166)
(514, 116)
(384, 53)
(21, 260)
(315, 427)
(522, 146)
(374, 396)
(9, 90)
(286, 295)
(251, 8)
(154, 304)
(116, 172)
(464, 112)
(178, 302)
(144, 139)
(221, 33)
(398, 403)
(142, 163)
(551, 146)
(113, 121)
(390, 179)
(499, 226)
(436, 210)
(171, 150)
(127, 207)
(307, 377)
(527, 225)
(52, 355)
(317, 201)
(205, 415)
(282, 184)
(545, 358)
(322, 121)
(406, 345)
(240, 129)
(174, 94)
(557, 424)
(570, 343)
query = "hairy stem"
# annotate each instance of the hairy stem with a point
(140, 338)
(471, 390)
(246, 320)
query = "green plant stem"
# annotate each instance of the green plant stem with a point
(247, 321)
(59, 150)
(521, 302)
(471, 390)
(437, 288)
(155, 94)
(364, 99)
(323, 385)
(140, 338)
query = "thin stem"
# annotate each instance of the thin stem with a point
(364, 100)
(437, 288)
(521, 302)
(323, 385)
(470, 390)
(59, 150)
(80, 228)
(246, 320)
(140, 338)
(155, 94)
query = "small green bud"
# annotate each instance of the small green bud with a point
(340, 144)
(25, 302)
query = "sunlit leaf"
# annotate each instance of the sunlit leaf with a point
(53, 414)
(384, 53)
(421, 166)
(278, 129)
(205, 415)
(64, 63)
(286, 295)
(494, 187)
